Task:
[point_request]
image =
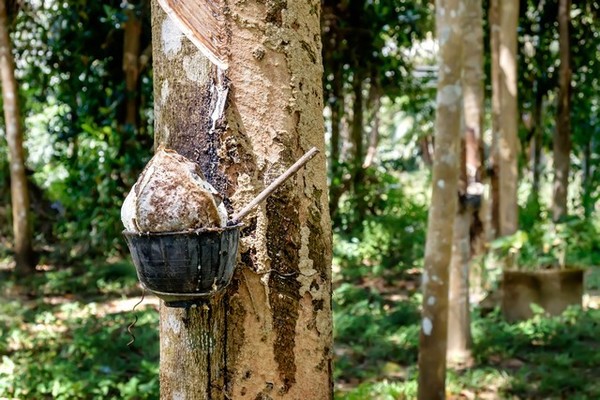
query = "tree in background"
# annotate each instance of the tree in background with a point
(82, 83)
(434, 325)
(467, 224)
(270, 336)
(24, 255)
(562, 135)
(363, 45)
(508, 143)
(496, 81)
(135, 61)
(585, 106)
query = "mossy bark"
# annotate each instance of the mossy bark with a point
(269, 337)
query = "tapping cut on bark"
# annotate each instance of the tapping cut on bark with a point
(203, 23)
(269, 335)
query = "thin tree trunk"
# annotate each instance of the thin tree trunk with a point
(434, 325)
(494, 173)
(508, 145)
(459, 324)
(131, 67)
(357, 122)
(459, 320)
(374, 134)
(337, 106)
(356, 134)
(426, 150)
(473, 84)
(24, 256)
(337, 112)
(536, 162)
(270, 335)
(562, 134)
(586, 184)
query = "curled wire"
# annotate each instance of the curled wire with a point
(132, 325)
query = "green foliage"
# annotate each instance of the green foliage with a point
(81, 153)
(384, 390)
(573, 242)
(76, 357)
(89, 278)
(556, 351)
(544, 357)
(56, 345)
(391, 236)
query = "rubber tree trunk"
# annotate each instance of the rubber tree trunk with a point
(496, 78)
(270, 335)
(375, 101)
(131, 66)
(562, 134)
(508, 145)
(356, 134)
(337, 106)
(473, 85)
(587, 186)
(434, 325)
(467, 219)
(536, 154)
(459, 320)
(22, 230)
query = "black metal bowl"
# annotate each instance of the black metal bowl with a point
(184, 267)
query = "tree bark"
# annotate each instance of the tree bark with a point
(425, 143)
(508, 145)
(459, 323)
(337, 105)
(434, 324)
(357, 123)
(270, 336)
(496, 75)
(536, 162)
(473, 84)
(586, 183)
(375, 100)
(459, 319)
(22, 230)
(131, 66)
(356, 134)
(562, 134)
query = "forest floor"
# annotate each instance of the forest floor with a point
(377, 330)
(64, 335)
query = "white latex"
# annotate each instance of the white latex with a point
(171, 195)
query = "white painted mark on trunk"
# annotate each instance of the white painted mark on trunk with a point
(173, 323)
(449, 95)
(172, 38)
(427, 326)
(441, 184)
(431, 301)
(165, 91)
(178, 396)
(425, 278)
